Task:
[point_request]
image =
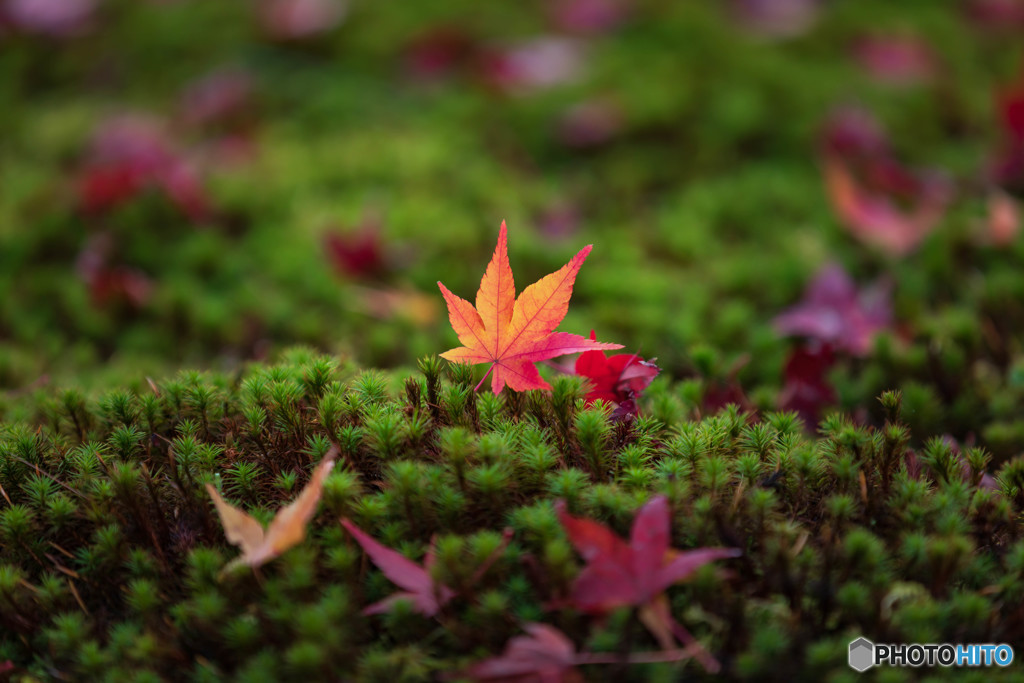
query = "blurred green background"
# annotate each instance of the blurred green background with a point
(194, 183)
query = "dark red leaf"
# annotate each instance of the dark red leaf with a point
(807, 390)
(854, 134)
(620, 574)
(426, 595)
(589, 16)
(357, 254)
(896, 59)
(617, 379)
(545, 654)
(130, 154)
(834, 312)
(110, 282)
(997, 15)
(440, 52)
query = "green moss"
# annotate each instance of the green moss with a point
(836, 526)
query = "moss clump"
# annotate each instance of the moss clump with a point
(113, 555)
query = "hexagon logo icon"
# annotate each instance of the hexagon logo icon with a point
(862, 654)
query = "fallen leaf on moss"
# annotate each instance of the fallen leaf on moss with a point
(358, 254)
(807, 389)
(1008, 166)
(130, 154)
(1004, 219)
(512, 334)
(532, 65)
(589, 17)
(874, 217)
(636, 573)
(301, 19)
(618, 379)
(896, 59)
(544, 654)
(426, 595)
(57, 18)
(287, 529)
(833, 311)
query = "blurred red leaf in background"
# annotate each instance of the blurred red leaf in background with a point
(129, 154)
(54, 18)
(896, 59)
(359, 253)
(534, 64)
(806, 389)
(880, 201)
(776, 18)
(300, 19)
(833, 311)
(589, 16)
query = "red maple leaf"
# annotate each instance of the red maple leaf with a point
(300, 19)
(359, 253)
(426, 595)
(616, 379)
(1008, 166)
(807, 389)
(440, 51)
(589, 16)
(545, 654)
(873, 215)
(879, 200)
(512, 334)
(636, 573)
(835, 312)
(131, 154)
(997, 15)
(896, 59)
(532, 65)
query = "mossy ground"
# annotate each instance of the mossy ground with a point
(708, 214)
(112, 553)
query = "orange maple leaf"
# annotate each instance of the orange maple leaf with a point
(512, 334)
(287, 529)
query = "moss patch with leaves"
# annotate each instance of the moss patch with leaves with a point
(113, 555)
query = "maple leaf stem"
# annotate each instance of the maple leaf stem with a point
(709, 663)
(484, 378)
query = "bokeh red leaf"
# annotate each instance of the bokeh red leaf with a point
(896, 59)
(807, 390)
(833, 311)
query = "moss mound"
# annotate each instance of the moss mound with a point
(112, 553)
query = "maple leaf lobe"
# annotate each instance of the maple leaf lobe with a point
(512, 334)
